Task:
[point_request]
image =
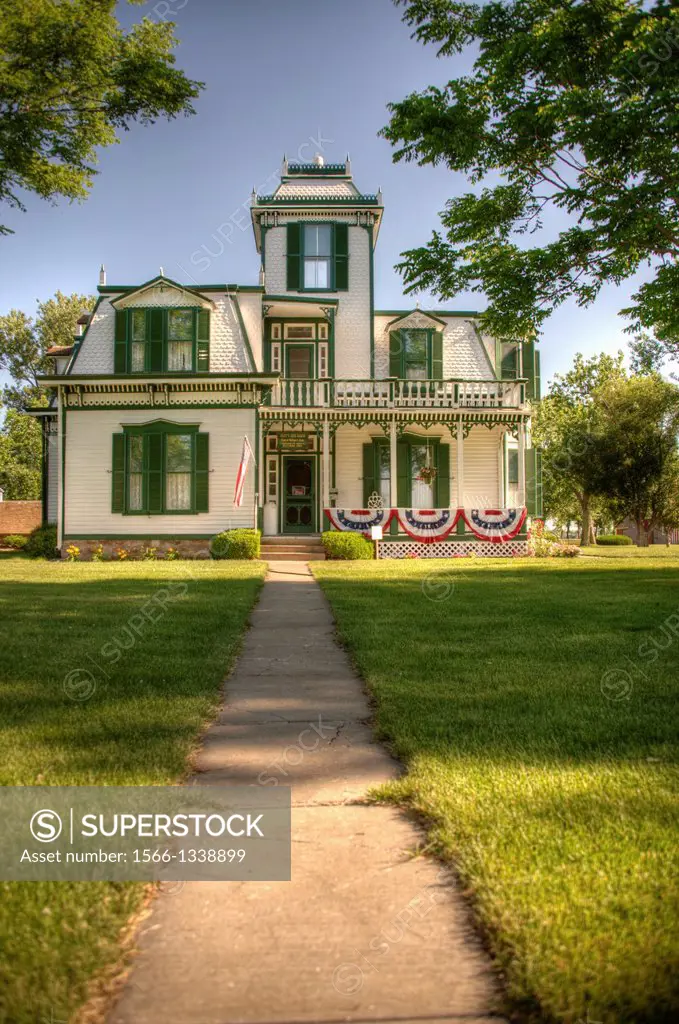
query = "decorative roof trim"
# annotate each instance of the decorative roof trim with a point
(105, 289)
(412, 312)
(469, 313)
(317, 170)
(357, 200)
(162, 282)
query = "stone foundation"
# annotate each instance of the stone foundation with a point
(453, 549)
(136, 548)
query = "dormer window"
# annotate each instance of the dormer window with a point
(157, 340)
(317, 255)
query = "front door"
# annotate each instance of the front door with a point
(298, 495)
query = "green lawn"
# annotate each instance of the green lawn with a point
(109, 673)
(534, 704)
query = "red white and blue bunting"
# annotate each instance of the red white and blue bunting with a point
(429, 524)
(495, 524)
(359, 520)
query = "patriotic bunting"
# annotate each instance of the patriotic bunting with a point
(359, 520)
(429, 524)
(496, 525)
(493, 524)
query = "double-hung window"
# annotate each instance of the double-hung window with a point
(160, 468)
(416, 354)
(317, 255)
(157, 340)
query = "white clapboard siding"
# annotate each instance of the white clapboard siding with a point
(481, 468)
(88, 473)
(349, 460)
(52, 477)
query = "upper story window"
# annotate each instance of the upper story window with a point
(510, 361)
(416, 354)
(160, 340)
(317, 257)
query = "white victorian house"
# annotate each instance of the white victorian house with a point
(412, 419)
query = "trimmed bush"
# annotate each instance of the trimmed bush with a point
(15, 540)
(236, 544)
(42, 543)
(346, 546)
(613, 539)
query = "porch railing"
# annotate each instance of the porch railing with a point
(399, 394)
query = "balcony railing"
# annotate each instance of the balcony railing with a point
(399, 394)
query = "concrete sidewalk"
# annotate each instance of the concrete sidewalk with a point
(363, 932)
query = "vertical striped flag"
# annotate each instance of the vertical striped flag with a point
(242, 473)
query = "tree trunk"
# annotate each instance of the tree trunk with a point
(586, 525)
(640, 525)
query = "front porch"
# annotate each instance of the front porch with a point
(325, 468)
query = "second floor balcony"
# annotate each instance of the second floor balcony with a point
(392, 393)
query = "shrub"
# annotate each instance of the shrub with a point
(548, 535)
(42, 543)
(15, 540)
(98, 553)
(172, 555)
(236, 544)
(566, 551)
(73, 552)
(150, 554)
(612, 539)
(346, 546)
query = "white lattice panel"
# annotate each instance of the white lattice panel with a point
(452, 549)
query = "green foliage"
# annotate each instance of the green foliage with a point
(569, 111)
(42, 542)
(236, 544)
(24, 340)
(566, 427)
(70, 79)
(15, 540)
(150, 554)
(614, 540)
(20, 457)
(346, 546)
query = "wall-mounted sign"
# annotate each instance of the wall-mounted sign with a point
(294, 441)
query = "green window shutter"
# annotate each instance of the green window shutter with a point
(443, 475)
(403, 489)
(498, 359)
(529, 367)
(153, 445)
(294, 257)
(437, 356)
(155, 339)
(203, 340)
(202, 474)
(368, 471)
(510, 363)
(534, 482)
(120, 348)
(395, 354)
(341, 243)
(118, 474)
(537, 382)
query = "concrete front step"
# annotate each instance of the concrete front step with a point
(273, 548)
(290, 538)
(293, 556)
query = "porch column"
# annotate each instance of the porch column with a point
(522, 465)
(460, 465)
(325, 469)
(501, 489)
(393, 465)
(61, 504)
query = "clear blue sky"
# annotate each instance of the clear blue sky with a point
(297, 76)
